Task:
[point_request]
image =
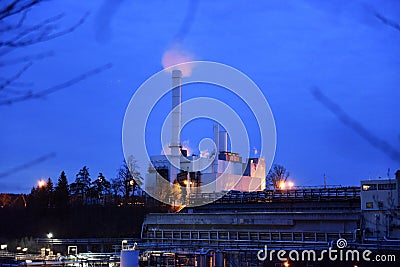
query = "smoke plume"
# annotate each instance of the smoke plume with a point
(176, 55)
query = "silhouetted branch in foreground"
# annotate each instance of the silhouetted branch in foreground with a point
(41, 32)
(52, 89)
(27, 58)
(388, 21)
(347, 120)
(18, 32)
(27, 165)
(9, 81)
(16, 7)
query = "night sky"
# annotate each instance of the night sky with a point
(343, 48)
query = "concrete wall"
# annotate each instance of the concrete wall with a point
(296, 221)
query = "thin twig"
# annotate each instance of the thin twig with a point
(13, 8)
(388, 21)
(44, 35)
(27, 58)
(55, 88)
(27, 165)
(18, 25)
(7, 82)
(353, 124)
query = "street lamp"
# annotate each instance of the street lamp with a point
(42, 183)
(50, 236)
(282, 185)
(290, 184)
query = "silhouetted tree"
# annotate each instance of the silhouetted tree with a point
(39, 196)
(61, 192)
(128, 179)
(50, 192)
(176, 194)
(276, 175)
(162, 189)
(101, 188)
(5, 200)
(80, 188)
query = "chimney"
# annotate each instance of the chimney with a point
(223, 141)
(176, 117)
(216, 141)
(177, 114)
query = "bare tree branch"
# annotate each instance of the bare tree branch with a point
(387, 21)
(55, 88)
(367, 135)
(36, 27)
(41, 32)
(19, 84)
(7, 82)
(27, 58)
(27, 165)
(15, 7)
(18, 25)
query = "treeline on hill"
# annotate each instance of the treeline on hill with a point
(84, 208)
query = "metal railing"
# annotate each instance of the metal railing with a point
(289, 195)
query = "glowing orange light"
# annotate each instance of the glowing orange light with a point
(131, 182)
(286, 264)
(41, 183)
(290, 184)
(282, 185)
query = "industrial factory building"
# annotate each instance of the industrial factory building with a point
(223, 170)
(240, 215)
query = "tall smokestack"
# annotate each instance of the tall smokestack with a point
(175, 144)
(223, 141)
(176, 114)
(216, 141)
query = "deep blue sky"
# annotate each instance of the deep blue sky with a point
(285, 47)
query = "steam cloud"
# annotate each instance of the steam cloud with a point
(166, 150)
(205, 153)
(176, 55)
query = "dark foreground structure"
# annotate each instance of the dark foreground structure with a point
(242, 228)
(328, 226)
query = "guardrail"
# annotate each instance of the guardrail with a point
(297, 194)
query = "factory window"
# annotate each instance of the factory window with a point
(386, 186)
(369, 205)
(368, 187)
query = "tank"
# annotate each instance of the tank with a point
(129, 258)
